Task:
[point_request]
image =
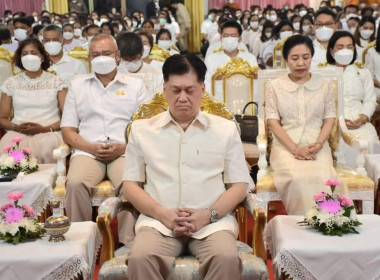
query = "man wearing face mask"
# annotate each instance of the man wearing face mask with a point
(231, 37)
(209, 28)
(132, 52)
(69, 42)
(65, 66)
(325, 26)
(22, 28)
(92, 31)
(97, 109)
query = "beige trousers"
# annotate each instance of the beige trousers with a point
(84, 175)
(153, 254)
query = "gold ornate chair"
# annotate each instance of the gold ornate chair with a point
(6, 66)
(158, 53)
(81, 54)
(185, 267)
(366, 49)
(360, 187)
(238, 88)
(278, 59)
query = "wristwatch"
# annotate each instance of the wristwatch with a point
(214, 215)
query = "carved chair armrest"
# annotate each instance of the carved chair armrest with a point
(106, 213)
(262, 145)
(258, 210)
(60, 154)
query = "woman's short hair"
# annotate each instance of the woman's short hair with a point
(146, 34)
(31, 41)
(129, 44)
(182, 64)
(281, 24)
(296, 40)
(335, 37)
(163, 31)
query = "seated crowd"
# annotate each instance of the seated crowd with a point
(90, 102)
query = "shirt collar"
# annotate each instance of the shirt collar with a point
(313, 84)
(120, 77)
(199, 119)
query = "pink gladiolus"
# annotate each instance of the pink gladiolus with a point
(6, 206)
(14, 196)
(17, 139)
(27, 151)
(7, 148)
(14, 215)
(345, 201)
(17, 155)
(319, 196)
(28, 209)
(331, 206)
(332, 182)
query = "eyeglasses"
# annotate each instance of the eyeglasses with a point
(327, 24)
(105, 53)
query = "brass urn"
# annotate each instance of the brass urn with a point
(57, 224)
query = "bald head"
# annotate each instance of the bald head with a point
(101, 38)
(104, 44)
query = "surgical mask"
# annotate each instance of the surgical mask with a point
(141, 19)
(130, 66)
(268, 34)
(71, 21)
(129, 23)
(134, 23)
(120, 27)
(217, 18)
(102, 20)
(305, 28)
(303, 13)
(245, 21)
(59, 25)
(20, 34)
(162, 21)
(77, 32)
(103, 64)
(254, 24)
(324, 34)
(366, 33)
(89, 38)
(165, 44)
(31, 62)
(53, 48)
(256, 12)
(352, 30)
(285, 34)
(209, 17)
(35, 19)
(296, 25)
(230, 43)
(156, 26)
(351, 15)
(39, 38)
(260, 28)
(68, 35)
(344, 56)
(272, 17)
(146, 52)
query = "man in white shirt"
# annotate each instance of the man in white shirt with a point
(325, 26)
(185, 174)
(209, 26)
(231, 37)
(65, 66)
(97, 109)
(91, 31)
(132, 51)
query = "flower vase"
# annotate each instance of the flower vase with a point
(57, 224)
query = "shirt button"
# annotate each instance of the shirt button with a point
(184, 141)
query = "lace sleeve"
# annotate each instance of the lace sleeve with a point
(271, 108)
(330, 107)
(59, 84)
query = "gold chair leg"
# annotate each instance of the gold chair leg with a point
(242, 222)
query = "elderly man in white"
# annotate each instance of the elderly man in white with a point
(66, 67)
(97, 110)
(185, 173)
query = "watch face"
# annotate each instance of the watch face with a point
(214, 216)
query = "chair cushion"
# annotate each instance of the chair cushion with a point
(186, 267)
(105, 189)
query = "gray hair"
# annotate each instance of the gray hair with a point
(52, 27)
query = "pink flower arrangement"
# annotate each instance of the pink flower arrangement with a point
(7, 148)
(17, 155)
(332, 182)
(6, 206)
(14, 215)
(331, 206)
(27, 151)
(320, 196)
(17, 139)
(345, 201)
(28, 209)
(15, 196)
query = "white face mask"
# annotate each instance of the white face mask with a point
(162, 21)
(20, 34)
(134, 24)
(53, 48)
(156, 26)
(352, 30)
(344, 56)
(303, 13)
(230, 43)
(285, 34)
(272, 17)
(351, 15)
(366, 33)
(165, 44)
(59, 25)
(268, 34)
(324, 34)
(130, 66)
(305, 28)
(89, 38)
(129, 23)
(146, 52)
(71, 21)
(77, 32)
(31, 62)
(39, 38)
(68, 35)
(296, 26)
(260, 28)
(120, 27)
(254, 24)
(103, 64)
(35, 19)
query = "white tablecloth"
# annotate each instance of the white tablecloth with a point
(303, 253)
(42, 259)
(36, 187)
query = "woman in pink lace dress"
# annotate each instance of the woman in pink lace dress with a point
(300, 113)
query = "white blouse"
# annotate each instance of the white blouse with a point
(34, 100)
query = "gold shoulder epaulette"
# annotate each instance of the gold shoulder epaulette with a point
(241, 50)
(173, 47)
(322, 64)
(359, 64)
(52, 71)
(220, 49)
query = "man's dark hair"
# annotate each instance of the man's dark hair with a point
(162, 31)
(351, 6)
(296, 40)
(5, 35)
(233, 24)
(325, 11)
(182, 64)
(53, 27)
(23, 21)
(129, 44)
(37, 29)
(335, 37)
